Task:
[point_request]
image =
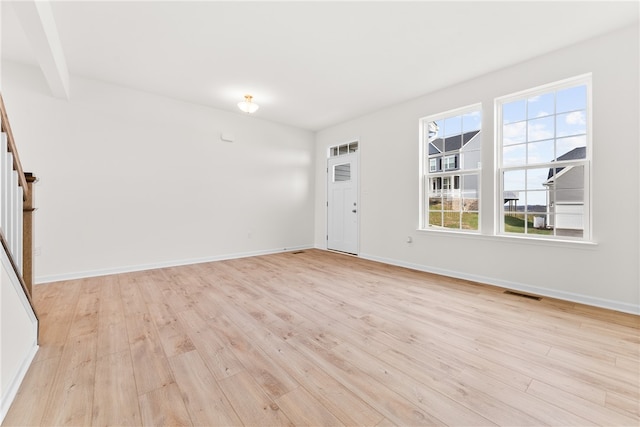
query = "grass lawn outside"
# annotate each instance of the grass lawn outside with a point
(514, 223)
(440, 216)
(454, 219)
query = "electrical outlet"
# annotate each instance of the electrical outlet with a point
(37, 251)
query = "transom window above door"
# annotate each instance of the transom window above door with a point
(341, 150)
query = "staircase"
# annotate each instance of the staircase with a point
(18, 319)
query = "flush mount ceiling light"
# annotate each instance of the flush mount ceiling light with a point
(248, 106)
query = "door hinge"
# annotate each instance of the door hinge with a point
(327, 204)
(327, 237)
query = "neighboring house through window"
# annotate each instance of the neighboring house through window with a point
(451, 144)
(544, 149)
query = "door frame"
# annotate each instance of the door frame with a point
(356, 158)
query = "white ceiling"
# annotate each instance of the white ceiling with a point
(308, 64)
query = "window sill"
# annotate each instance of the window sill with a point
(506, 238)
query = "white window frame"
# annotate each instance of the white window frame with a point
(433, 165)
(586, 162)
(425, 170)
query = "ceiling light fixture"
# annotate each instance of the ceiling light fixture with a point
(248, 106)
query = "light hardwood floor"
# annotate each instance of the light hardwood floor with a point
(321, 339)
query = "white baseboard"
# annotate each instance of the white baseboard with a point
(152, 266)
(12, 391)
(551, 293)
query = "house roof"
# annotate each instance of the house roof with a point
(575, 154)
(451, 143)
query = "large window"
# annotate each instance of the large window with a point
(543, 145)
(450, 168)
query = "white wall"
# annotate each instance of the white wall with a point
(604, 274)
(18, 327)
(130, 180)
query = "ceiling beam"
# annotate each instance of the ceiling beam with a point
(36, 18)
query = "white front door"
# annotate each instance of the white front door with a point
(342, 203)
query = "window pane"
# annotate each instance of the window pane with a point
(514, 155)
(539, 129)
(435, 128)
(536, 201)
(453, 143)
(540, 152)
(470, 159)
(470, 220)
(436, 184)
(569, 220)
(571, 99)
(514, 133)
(471, 121)
(572, 177)
(450, 162)
(514, 180)
(470, 185)
(514, 222)
(453, 126)
(472, 140)
(569, 195)
(537, 178)
(514, 112)
(539, 221)
(540, 106)
(470, 191)
(571, 148)
(511, 199)
(568, 185)
(438, 144)
(574, 123)
(342, 172)
(451, 219)
(552, 175)
(435, 218)
(435, 202)
(537, 224)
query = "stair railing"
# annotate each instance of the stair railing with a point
(16, 206)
